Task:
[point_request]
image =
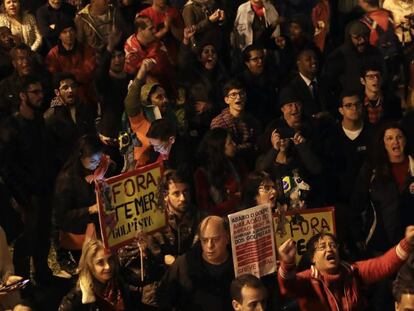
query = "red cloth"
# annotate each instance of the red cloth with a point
(399, 171)
(321, 18)
(381, 17)
(317, 291)
(258, 10)
(81, 63)
(158, 19)
(231, 187)
(135, 54)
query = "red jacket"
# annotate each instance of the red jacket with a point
(81, 62)
(340, 292)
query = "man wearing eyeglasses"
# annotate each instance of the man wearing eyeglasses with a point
(332, 284)
(347, 151)
(378, 104)
(261, 82)
(29, 172)
(243, 127)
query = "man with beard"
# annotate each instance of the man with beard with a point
(68, 118)
(70, 55)
(7, 42)
(29, 171)
(176, 238)
(9, 87)
(343, 66)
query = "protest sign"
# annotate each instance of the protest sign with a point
(128, 204)
(252, 241)
(301, 225)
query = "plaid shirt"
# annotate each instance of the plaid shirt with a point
(243, 130)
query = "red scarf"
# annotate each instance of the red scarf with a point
(259, 11)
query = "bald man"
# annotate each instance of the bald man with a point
(200, 279)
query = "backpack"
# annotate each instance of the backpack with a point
(387, 40)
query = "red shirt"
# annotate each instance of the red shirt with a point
(399, 171)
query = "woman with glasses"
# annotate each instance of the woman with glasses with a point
(219, 177)
(332, 284)
(258, 189)
(22, 24)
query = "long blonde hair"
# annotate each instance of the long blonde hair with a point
(87, 280)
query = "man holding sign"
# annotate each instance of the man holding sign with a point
(331, 284)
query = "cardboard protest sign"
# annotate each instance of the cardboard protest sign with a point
(252, 241)
(301, 225)
(128, 204)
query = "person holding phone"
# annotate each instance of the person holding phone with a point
(290, 151)
(9, 295)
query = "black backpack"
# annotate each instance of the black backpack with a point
(387, 40)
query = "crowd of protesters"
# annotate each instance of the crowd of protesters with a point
(297, 104)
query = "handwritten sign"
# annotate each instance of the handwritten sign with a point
(128, 204)
(302, 225)
(252, 241)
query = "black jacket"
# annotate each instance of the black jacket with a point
(189, 285)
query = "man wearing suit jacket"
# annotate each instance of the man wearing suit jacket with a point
(306, 83)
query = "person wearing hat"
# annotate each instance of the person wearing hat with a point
(145, 102)
(287, 149)
(343, 66)
(69, 55)
(49, 16)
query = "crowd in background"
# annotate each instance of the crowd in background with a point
(298, 104)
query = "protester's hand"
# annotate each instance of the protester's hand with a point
(409, 235)
(93, 209)
(168, 21)
(13, 279)
(298, 139)
(214, 17)
(280, 42)
(22, 308)
(287, 251)
(146, 66)
(275, 140)
(361, 246)
(222, 16)
(188, 34)
(411, 188)
(114, 38)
